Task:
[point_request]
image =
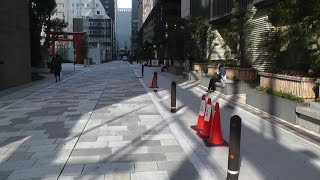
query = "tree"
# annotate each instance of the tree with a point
(39, 14)
(211, 36)
(236, 34)
(197, 37)
(55, 25)
(297, 32)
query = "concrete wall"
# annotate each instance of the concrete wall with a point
(15, 65)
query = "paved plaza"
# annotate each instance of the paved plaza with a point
(103, 122)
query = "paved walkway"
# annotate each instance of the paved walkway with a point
(268, 151)
(103, 122)
(99, 124)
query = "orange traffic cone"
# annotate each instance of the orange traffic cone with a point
(215, 137)
(207, 120)
(202, 110)
(154, 83)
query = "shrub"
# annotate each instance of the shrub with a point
(281, 94)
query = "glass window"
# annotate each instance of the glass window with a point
(88, 5)
(98, 12)
(97, 5)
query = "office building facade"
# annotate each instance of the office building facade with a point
(124, 28)
(134, 28)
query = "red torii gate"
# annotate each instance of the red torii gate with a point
(63, 36)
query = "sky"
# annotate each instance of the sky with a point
(124, 3)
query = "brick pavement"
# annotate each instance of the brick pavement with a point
(97, 125)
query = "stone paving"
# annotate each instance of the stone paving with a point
(98, 124)
(268, 150)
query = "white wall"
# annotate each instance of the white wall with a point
(85, 8)
(94, 53)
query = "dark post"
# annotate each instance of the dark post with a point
(173, 97)
(142, 70)
(234, 148)
(155, 89)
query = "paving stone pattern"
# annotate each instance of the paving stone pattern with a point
(98, 125)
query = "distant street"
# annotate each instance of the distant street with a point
(104, 122)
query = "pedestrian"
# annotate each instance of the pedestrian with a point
(221, 75)
(56, 69)
(59, 61)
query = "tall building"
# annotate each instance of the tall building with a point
(158, 18)
(220, 12)
(99, 36)
(110, 7)
(134, 27)
(15, 60)
(95, 22)
(144, 9)
(124, 27)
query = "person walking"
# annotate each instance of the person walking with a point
(56, 69)
(221, 75)
(59, 61)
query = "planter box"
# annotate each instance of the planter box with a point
(242, 74)
(279, 107)
(303, 87)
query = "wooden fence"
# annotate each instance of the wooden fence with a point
(303, 87)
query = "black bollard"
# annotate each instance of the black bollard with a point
(142, 70)
(173, 97)
(155, 89)
(234, 148)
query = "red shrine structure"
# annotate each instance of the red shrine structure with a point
(77, 39)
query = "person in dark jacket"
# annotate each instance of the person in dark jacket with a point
(221, 75)
(56, 68)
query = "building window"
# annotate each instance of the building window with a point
(82, 5)
(88, 5)
(91, 24)
(97, 5)
(103, 32)
(98, 12)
